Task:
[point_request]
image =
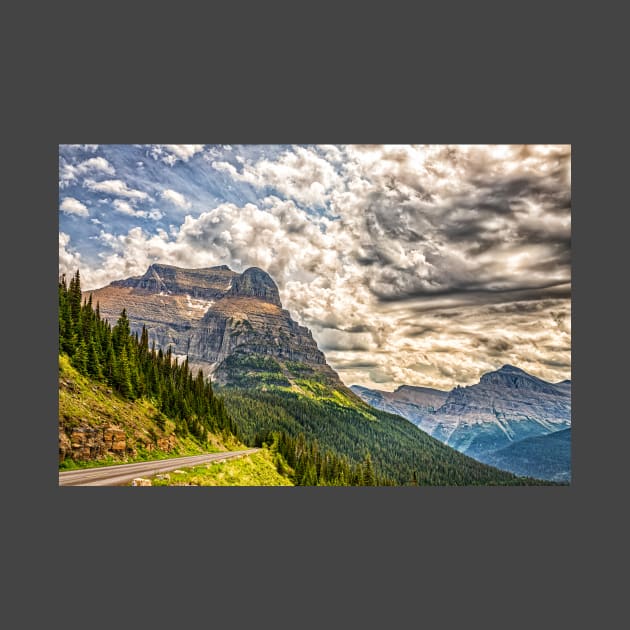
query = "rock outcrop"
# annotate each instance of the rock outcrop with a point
(86, 443)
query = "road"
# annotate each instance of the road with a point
(123, 473)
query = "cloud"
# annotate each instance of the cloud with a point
(70, 172)
(69, 261)
(70, 205)
(89, 148)
(115, 187)
(176, 198)
(125, 208)
(430, 221)
(333, 339)
(300, 174)
(172, 153)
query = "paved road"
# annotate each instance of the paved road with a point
(123, 473)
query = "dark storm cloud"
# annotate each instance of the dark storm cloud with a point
(419, 331)
(558, 364)
(355, 364)
(475, 294)
(463, 239)
(342, 346)
(359, 328)
(506, 196)
(497, 347)
(525, 307)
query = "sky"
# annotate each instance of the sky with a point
(423, 265)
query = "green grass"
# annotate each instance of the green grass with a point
(318, 391)
(84, 403)
(258, 469)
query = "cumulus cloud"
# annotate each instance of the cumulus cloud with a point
(125, 207)
(176, 198)
(116, 187)
(70, 205)
(69, 261)
(300, 174)
(69, 172)
(171, 153)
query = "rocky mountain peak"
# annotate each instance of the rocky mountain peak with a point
(514, 378)
(255, 282)
(511, 369)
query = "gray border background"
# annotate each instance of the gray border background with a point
(307, 557)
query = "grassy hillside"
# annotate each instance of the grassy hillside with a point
(259, 469)
(97, 426)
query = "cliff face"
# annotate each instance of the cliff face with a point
(212, 314)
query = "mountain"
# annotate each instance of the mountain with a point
(544, 456)
(417, 404)
(231, 326)
(564, 386)
(506, 406)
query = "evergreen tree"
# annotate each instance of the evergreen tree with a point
(93, 360)
(368, 471)
(123, 375)
(80, 358)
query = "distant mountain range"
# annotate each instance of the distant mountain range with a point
(506, 407)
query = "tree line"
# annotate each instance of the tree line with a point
(310, 465)
(124, 360)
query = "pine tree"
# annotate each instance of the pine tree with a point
(309, 477)
(93, 360)
(123, 376)
(80, 358)
(367, 471)
(75, 297)
(121, 332)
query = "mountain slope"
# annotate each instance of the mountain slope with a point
(544, 456)
(399, 450)
(98, 426)
(417, 404)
